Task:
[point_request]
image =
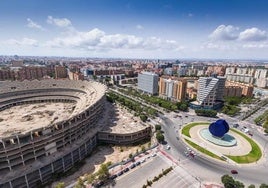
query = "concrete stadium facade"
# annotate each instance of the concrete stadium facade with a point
(33, 158)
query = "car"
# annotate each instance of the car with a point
(133, 165)
(120, 173)
(138, 163)
(186, 153)
(113, 176)
(168, 147)
(193, 153)
(143, 160)
(126, 169)
(236, 125)
(188, 149)
(153, 155)
(250, 134)
(234, 172)
(99, 184)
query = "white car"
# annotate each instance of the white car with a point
(168, 147)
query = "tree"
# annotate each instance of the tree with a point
(91, 178)
(251, 186)
(239, 184)
(60, 185)
(143, 148)
(263, 185)
(160, 137)
(228, 181)
(80, 183)
(143, 117)
(157, 127)
(103, 172)
(130, 155)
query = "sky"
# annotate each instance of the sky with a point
(157, 29)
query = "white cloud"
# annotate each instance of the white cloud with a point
(139, 27)
(32, 24)
(256, 46)
(223, 33)
(253, 34)
(60, 22)
(97, 39)
(24, 42)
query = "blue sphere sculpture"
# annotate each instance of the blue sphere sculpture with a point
(219, 128)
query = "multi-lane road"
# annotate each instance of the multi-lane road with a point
(206, 168)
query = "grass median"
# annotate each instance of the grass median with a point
(253, 156)
(186, 130)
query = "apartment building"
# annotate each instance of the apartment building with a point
(238, 89)
(172, 88)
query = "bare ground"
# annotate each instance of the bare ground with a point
(102, 154)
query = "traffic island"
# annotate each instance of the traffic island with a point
(244, 151)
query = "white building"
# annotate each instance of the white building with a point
(148, 82)
(209, 90)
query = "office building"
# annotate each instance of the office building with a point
(148, 82)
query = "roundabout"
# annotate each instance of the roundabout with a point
(232, 147)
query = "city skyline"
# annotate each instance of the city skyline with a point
(135, 29)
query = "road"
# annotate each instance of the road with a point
(137, 177)
(209, 169)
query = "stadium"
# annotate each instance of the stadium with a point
(46, 127)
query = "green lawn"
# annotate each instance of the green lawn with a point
(186, 129)
(253, 156)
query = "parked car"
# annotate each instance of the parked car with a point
(126, 169)
(143, 160)
(168, 147)
(153, 155)
(113, 176)
(132, 166)
(120, 173)
(138, 163)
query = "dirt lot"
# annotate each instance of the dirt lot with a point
(102, 154)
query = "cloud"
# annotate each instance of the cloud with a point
(24, 42)
(190, 14)
(253, 34)
(223, 33)
(60, 22)
(139, 27)
(32, 24)
(97, 39)
(256, 46)
(218, 46)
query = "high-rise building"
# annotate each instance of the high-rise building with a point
(148, 82)
(210, 91)
(172, 88)
(220, 88)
